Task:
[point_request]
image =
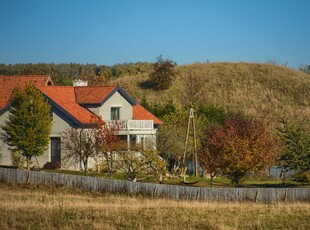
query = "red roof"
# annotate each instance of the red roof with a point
(140, 113)
(64, 96)
(8, 83)
(92, 94)
(69, 98)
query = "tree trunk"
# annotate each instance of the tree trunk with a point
(37, 162)
(85, 163)
(211, 179)
(111, 168)
(28, 163)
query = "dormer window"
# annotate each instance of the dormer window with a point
(115, 113)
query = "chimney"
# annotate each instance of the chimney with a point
(79, 82)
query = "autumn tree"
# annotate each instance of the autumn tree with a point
(107, 142)
(237, 147)
(29, 123)
(211, 159)
(163, 74)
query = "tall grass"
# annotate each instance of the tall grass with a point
(37, 207)
(255, 89)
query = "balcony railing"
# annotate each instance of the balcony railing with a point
(132, 124)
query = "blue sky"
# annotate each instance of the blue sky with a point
(107, 32)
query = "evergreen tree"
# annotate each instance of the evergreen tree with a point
(296, 151)
(29, 123)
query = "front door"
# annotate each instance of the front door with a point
(55, 149)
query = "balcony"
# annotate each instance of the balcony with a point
(125, 125)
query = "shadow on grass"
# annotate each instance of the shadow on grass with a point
(146, 85)
(287, 184)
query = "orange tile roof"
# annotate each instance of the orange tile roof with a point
(8, 83)
(140, 113)
(92, 94)
(64, 96)
(69, 97)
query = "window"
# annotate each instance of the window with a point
(115, 115)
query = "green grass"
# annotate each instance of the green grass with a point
(201, 181)
(40, 207)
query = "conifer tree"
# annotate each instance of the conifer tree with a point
(28, 126)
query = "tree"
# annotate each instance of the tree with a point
(29, 123)
(107, 142)
(296, 141)
(163, 74)
(238, 146)
(192, 90)
(213, 114)
(172, 137)
(159, 110)
(79, 146)
(305, 68)
(1, 147)
(211, 159)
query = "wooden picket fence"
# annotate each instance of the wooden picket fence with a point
(264, 195)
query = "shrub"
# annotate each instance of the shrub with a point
(163, 74)
(17, 159)
(301, 177)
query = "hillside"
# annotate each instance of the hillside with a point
(255, 89)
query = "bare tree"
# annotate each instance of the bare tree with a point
(79, 146)
(192, 92)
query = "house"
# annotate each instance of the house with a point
(76, 106)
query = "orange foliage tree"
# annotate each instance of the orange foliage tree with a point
(107, 141)
(238, 146)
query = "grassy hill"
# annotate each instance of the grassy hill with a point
(252, 88)
(255, 89)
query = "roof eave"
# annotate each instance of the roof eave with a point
(122, 92)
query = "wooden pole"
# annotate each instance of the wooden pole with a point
(195, 144)
(191, 122)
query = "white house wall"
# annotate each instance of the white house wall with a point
(116, 100)
(5, 157)
(60, 122)
(93, 108)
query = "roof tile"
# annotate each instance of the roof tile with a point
(64, 96)
(8, 83)
(140, 113)
(68, 97)
(92, 94)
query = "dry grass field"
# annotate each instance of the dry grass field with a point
(38, 207)
(266, 90)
